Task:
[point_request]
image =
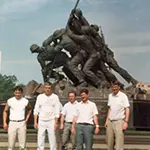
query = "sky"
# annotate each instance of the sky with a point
(125, 23)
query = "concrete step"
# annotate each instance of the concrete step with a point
(33, 146)
(131, 142)
(98, 139)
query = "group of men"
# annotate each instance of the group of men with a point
(86, 48)
(79, 120)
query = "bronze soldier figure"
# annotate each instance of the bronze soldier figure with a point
(108, 55)
(56, 60)
(93, 56)
(77, 55)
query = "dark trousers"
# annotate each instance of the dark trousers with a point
(84, 134)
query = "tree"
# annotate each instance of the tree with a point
(7, 83)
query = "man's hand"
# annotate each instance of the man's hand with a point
(26, 121)
(106, 124)
(5, 126)
(73, 130)
(124, 125)
(61, 126)
(97, 130)
(35, 126)
(55, 126)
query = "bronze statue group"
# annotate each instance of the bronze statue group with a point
(90, 58)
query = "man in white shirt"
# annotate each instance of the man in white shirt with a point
(68, 112)
(86, 117)
(46, 114)
(17, 120)
(117, 117)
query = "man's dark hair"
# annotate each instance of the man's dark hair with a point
(116, 83)
(18, 88)
(84, 91)
(72, 92)
(48, 83)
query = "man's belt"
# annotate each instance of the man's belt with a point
(84, 123)
(69, 122)
(113, 120)
(17, 120)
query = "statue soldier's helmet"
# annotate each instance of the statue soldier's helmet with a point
(78, 12)
(95, 27)
(58, 33)
(34, 48)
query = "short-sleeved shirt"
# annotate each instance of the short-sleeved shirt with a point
(17, 108)
(69, 111)
(85, 112)
(117, 104)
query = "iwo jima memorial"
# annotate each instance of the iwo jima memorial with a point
(76, 56)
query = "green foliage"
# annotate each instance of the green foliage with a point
(7, 83)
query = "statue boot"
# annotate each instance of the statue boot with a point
(134, 82)
(83, 84)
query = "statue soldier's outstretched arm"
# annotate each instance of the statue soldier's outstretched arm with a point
(48, 41)
(77, 38)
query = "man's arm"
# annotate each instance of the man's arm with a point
(36, 112)
(73, 124)
(95, 119)
(107, 119)
(5, 114)
(36, 121)
(29, 108)
(57, 113)
(63, 115)
(62, 121)
(97, 130)
(127, 114)
(126, 120)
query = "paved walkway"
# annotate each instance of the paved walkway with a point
(131, 142)
(32, 146)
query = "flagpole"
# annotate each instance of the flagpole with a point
(0, 62)
(76, 4)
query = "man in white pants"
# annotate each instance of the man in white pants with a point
(46, 114)
(17, 120)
